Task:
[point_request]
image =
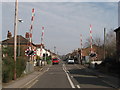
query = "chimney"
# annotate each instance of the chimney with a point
(27, 35)
(9, 35)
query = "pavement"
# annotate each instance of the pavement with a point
(24, 81)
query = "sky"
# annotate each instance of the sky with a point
(63, 21)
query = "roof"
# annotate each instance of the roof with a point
(21, 39)
(118, 29)
(39, 45)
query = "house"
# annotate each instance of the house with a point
(22, 44)
(118, 43)
(53, 55)
(41, 51)
(86, 52)
(98, 50)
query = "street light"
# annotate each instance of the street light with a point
(21, 21)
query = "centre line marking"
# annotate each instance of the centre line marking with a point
(70, 81)
(78, 86)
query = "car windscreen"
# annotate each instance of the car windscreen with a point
(71, 59)
(55, 59)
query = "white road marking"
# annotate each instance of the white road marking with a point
(41, 69)
(47, 69)
(77, 67)
(68, 72)
(84, 76)
(33, 83)
(78, 86)
(70, 81)
(33, 79)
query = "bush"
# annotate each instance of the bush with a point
(20, 66)
(7, 69)
(49, 61)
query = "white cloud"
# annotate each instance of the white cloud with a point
(64, 22)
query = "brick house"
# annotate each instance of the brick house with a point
(98, 50)
(118, 43)
(22, 42)
(86, 51)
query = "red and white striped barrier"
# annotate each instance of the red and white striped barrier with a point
(31, 26)
(81, 44)
(91, 40)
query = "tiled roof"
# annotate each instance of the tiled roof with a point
(21, 39)
(39, 45)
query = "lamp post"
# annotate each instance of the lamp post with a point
(21, 21)
(15, 36)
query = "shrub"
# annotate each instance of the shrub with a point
(20, 65)
(7, 69)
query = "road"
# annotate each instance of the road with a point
(68, 76)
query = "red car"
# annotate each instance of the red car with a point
(55, 61)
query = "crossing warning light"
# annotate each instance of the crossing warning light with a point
(29, 52)
(93, 55)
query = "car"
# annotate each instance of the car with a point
(70, 61)
(55, 61)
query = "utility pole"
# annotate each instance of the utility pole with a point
(15, 36)
(104, 43)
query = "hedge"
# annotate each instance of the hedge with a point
(8, 68)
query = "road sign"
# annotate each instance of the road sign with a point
(29, 52)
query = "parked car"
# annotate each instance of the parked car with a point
(55, 61)
(70, 61)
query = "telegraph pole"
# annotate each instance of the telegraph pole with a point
(15, 36)
(104, 42)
